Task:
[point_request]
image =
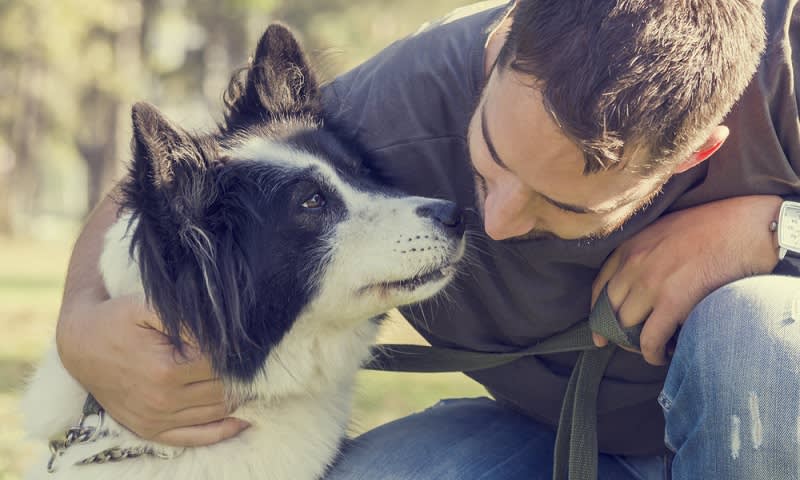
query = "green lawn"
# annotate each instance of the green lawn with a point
(31, 277)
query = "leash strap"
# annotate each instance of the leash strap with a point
(576, 451)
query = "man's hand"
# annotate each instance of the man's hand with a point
(659, 275)
(116, 350)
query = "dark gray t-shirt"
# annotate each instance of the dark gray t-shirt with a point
(410, 106)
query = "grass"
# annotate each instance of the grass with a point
(31, 279)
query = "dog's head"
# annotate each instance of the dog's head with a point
(241, 232)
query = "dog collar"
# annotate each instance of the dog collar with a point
(90, 428)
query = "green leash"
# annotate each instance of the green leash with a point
(576, 440)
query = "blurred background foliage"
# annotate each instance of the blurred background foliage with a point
(70, 71)
(72, 68)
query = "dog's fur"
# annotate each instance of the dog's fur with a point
(266, 244)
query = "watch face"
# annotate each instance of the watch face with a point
(789, 226)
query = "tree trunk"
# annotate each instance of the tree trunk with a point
(22, 178)
(98, 142)
(5, 205)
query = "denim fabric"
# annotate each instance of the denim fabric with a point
(468, 439)
(731, 402)
(732, 397)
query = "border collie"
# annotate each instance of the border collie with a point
(267, 245)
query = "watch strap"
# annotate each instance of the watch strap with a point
(788, 260)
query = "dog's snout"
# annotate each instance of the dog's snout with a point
(446, 214)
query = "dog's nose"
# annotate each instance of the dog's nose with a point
(446, 214)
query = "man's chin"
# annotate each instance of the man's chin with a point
(540, 235)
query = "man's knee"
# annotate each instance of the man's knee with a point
(748, 315)
(731, 395)
(744, 336)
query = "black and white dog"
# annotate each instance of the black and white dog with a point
(266, 244)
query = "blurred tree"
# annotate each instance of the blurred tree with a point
(72, 68)
(104, 90)
(64, 80)
(19, 131)
(347, 32)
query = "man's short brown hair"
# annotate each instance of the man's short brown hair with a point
(651, 74)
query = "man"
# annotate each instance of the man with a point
(582, 133)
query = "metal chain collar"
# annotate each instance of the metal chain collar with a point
(116, 454)
(80, 434)
(86, 432)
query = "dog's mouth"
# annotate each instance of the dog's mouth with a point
(419, 280)
(413, 283)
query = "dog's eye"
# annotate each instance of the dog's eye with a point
(315, 201)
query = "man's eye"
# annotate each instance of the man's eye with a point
(314, 201)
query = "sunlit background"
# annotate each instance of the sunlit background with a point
(69, 73)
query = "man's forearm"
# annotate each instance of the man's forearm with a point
(84, 281)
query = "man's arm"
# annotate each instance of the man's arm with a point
(115, 349)
(660, 274)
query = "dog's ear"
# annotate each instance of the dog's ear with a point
(161, 151)
(171, 184)
(170, 167)
(188, 275)
(278, 82)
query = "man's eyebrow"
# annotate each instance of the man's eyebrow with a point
(488, 140)
(563, 206)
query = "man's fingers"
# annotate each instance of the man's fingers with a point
(608, 270)
(633, 310)
(656, 334)
(193, 367)
(599, 340)
(194, 416)
(161, 405)
(150, 426)
(202, 435)
(200, 394)
(620, 286)
(635, 307)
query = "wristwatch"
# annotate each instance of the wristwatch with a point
(788, 228)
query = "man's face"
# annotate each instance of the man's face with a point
(529, 175)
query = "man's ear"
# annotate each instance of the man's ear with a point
(715, 140)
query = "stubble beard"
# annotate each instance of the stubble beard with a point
(538, 234)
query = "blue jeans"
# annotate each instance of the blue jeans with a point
(731, 402)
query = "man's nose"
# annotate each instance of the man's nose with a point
(507, 216)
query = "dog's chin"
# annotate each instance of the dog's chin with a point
(412, 289)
